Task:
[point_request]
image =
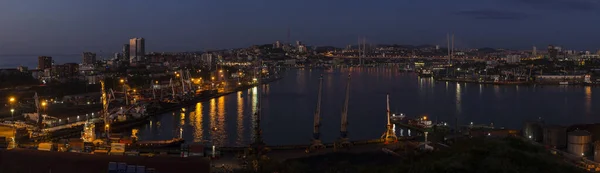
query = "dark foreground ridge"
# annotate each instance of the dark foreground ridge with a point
(468, 156)
(33, 161)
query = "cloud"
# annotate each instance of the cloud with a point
(577, 5)
(492, 15)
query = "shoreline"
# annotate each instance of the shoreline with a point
(515, 83)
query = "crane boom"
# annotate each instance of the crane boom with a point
(182, 83)
(388, 110)
(189, 80)
(344, 130)
(172, 88)
(317, 120)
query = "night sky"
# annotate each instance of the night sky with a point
(74, 26)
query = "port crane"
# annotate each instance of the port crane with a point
(390, 134)
(316, 142)
(258, 146)
(182, 78)
(172, 89)
(188, 77)
(343, 142)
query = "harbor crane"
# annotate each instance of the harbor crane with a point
(258, 146)
(316, 142)
(390, 134)
(343, 142)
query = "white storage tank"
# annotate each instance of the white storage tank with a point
(579, 142)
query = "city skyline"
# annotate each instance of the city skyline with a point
(40, 27)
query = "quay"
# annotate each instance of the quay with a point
(74, 129)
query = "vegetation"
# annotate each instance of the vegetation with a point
(17, 79)
(472, 155)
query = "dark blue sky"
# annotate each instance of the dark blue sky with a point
(73, 26)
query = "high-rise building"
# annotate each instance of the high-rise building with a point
(277, 44)
(298, 43)
(534, 51)
(89, 58)
(44, 62)
(301, 48)
(137, 50)
(125, 52)
(552, 52)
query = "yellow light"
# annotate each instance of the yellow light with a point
(106, 126)
(212, 78)
(220, 71)
(134, 90)
(44, 103)
(221, 75)
(122, 81)
(177, 75)
(12, 99)
(424, 117)
(156, 82)
(12, 110)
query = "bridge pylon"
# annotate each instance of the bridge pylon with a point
(389, 136)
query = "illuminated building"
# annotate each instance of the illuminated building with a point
(44, 62)
(137, 49)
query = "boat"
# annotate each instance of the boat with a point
(425, 73)
(398, 117)
(176, 142)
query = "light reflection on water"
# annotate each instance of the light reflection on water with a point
(240, 119)
(588, 100)
(289, 104)
(196, 117)
(213, 119)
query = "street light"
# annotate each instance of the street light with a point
(11, 100)
(12, 114)
(122, 81)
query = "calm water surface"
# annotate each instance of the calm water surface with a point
(289, 105)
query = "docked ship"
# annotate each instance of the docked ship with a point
(126, 117)
(406, 68)
(425, 73)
